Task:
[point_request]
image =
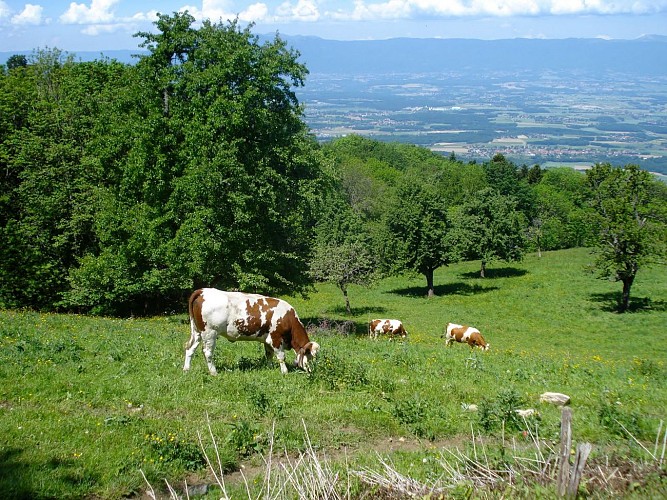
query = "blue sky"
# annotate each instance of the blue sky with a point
(109, 24)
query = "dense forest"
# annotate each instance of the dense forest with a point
(123, 186)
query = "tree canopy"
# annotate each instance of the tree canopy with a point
(488, 227)
(122, 187)
(632, 216)
(126, 186)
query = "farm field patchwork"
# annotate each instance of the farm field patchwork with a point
(89, 403)
(531, 117)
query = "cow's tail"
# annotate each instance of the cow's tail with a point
(191, 313)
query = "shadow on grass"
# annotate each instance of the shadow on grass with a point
(495, 273)
(360, 311)
(609, 302)
(458, 288)
(17, 478)
(14, 475)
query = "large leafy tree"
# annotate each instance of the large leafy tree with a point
(416, 227)
(52, 176)
(488, 227)
(221, 183)
(504, 177)
(632, 210)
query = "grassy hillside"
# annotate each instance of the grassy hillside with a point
(86, 403)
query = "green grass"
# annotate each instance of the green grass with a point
(86, 403)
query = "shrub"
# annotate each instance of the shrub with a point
(246, 438)
(171, 448)
(618, 420)
(336, 373)
(492, 413)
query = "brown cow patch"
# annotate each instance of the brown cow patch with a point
(283, 332)
(458, 332)
(196, 302)
(253, 324)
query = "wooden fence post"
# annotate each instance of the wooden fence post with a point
(565, 443)
(568, 481)
(583, 450)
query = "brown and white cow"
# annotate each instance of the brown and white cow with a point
(464, 333)
(391, 327)
(246, 316)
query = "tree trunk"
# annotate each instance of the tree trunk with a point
(625, 298)
(482, 271)
(429, 283)
(347, 302)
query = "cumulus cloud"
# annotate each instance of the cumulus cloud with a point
(222, 10)
(303, 10)
(30, 15)
(101, 29)
(99, 12)
(254, 12)
(369, 10)
(211, 9)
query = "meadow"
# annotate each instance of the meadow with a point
(89, 404)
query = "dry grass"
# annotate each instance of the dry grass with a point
(310, 476)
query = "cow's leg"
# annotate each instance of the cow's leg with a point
(209, 348)
(190, 348)
(268, 352)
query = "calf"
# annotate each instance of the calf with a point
(391, 327)
(465, 333)
(246, 316)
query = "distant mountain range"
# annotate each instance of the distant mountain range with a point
(646, 55)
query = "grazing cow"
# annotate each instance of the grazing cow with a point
(246, 316)
(465, 333)
(391, 327)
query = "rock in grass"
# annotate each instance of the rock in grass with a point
(555, 398)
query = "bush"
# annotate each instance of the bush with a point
(492, 413)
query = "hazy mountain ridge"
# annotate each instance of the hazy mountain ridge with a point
(646, 55)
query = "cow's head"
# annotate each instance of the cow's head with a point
(480, 342)
(306, 355)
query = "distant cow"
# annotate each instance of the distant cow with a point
(246, 316)
(391, 327)
(464, 333)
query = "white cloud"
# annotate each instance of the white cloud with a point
(99, 12)
(100, 29)
(144, 16)
(212, 9)
(304, 10)
(364, 11)
(30, 15)
(368, 10)
(221, 10)
(254, 12)
(5, 11)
